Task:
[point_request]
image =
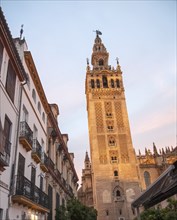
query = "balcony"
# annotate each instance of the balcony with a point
(58, 175)
(44, 163)
(28, 194)
(5, 153)
(36, 151)
(26, 136)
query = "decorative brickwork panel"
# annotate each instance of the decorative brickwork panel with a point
(108, 109)
(123, 148)
(99, 117)
(119, 115)
(105, 92)
(102, 149)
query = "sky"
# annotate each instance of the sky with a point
(60, 36)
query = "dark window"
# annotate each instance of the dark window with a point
(10, 81)
(112, 83)
(7, 127)
(92, 83)
(115, 173)
(34, 95)
(105, 82)
(43, 117)
(1, 213)
(98, 83)
(7, 133)
(1, 54)
(117, 83)
(21, 164)
(41, 183)
(33, 178)
(39, 107)
(101, 62)
(57, 201)
(118, 193)
(50, 194)
(33, 175)
(147, 178)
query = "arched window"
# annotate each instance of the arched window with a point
(39, 107)
(43, 117)
(92, 83)
(101, 62)
(112, 83)
(98, 83)
(115, 173)
(117, 83)
(118, 193)
(105, 82)
(147, 178)
(34, 95)
(111, 141)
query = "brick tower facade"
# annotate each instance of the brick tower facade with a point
(114, 167)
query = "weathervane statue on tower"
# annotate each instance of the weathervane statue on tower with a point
(98, 32)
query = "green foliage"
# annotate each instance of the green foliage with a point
(168, 213)
(61, 213)
(75, 210)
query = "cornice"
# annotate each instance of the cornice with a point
(35, 77)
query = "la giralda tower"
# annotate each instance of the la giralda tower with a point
(114, 168)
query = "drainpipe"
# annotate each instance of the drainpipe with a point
(12, 182)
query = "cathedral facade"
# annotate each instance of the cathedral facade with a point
(116, 175)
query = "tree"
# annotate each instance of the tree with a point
(75, 210)
(167, 213)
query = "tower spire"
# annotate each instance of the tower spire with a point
(86, 157)
(155, 150)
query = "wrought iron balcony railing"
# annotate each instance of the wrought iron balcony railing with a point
(29, 190)
(58, 175)
(5, 154)
(44, 162)
(51, 164)
(26, 135)
(36, 151)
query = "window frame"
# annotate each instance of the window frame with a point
(10, 81)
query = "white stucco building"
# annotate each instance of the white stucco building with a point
(37, 172)
(12, 75)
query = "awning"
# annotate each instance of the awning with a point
(164, 187)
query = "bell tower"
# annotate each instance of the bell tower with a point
(114, 167)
